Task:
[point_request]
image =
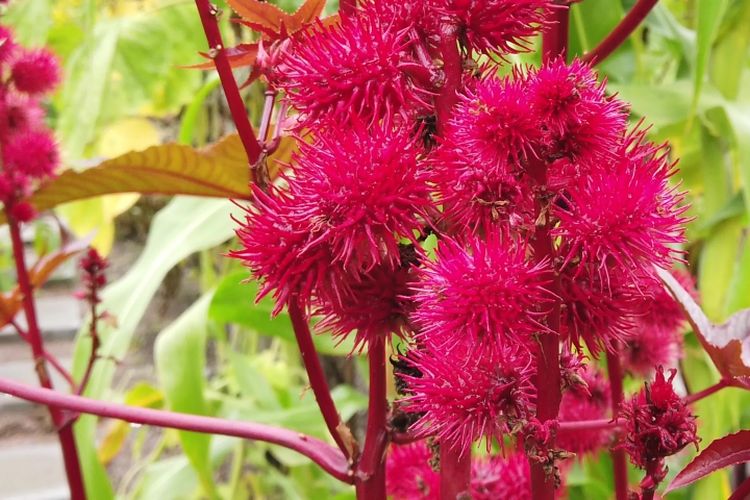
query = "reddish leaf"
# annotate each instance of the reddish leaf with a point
(239, 56)
(11, 302)
(729, 450)
(309, 10)
(728, 344)
(262, 13)
(45, 266)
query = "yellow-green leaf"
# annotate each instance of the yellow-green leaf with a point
(218, 171)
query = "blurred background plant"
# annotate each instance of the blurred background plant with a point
(213, 352)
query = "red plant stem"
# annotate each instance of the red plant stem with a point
(370, 475)
(50, 358)
(619, 460)
(323, 454)
(555, 37)
(347, 6)
(742, 492)
(589, 425)
(693, 398)
(208, 14)
(455, 474)
(452, 69)
(547, 378)
(316, 376)
(34, 336)
(621, 32)
(653, 468)
(94, 334)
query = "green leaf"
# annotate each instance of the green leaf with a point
(180, 359)
(726, 73)
(717, 265)
(31, 21)
(233, 303)
(710, 13)
(184, 226)
(591, 21)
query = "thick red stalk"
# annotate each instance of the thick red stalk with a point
(619, 460)
(34, 337)
(621, 32)
(370, 475)
(653, 470)
(208, 14)
(452, 69)
(588, 425)
(547, 378)
(555, 37)
(455, 474)
(316, 376)
(328, 457)
(452, 469)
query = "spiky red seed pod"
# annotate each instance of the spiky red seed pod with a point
(357, 68)
(362, 191)
(657, 422)
(657, 335)
(464, 395)
(496, 477)
(408, 473)
(19, 113)
(375, 306)
(485, 292)
(353, 196)
(32, 153)
(582, 122)
(35, 72)
(478, 197)
(492, 119)
(624, 214)
(585, 402)
(500, 26)
(23, 211)
(596, 312)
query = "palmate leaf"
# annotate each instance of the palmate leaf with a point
(729, 450)
(217, 171)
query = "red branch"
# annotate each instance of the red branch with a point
(209, 13)
(323, 454)
(371, 468)
(547, 379)
(621, 32)
(452, 69)
(619, 460)
(50, 358)
(34, 336)
(588, 425)
(316, 376)
(721, 384)
(555, 37)
(95, 343)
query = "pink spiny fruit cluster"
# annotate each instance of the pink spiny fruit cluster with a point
(539, 197)
(29, 152)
